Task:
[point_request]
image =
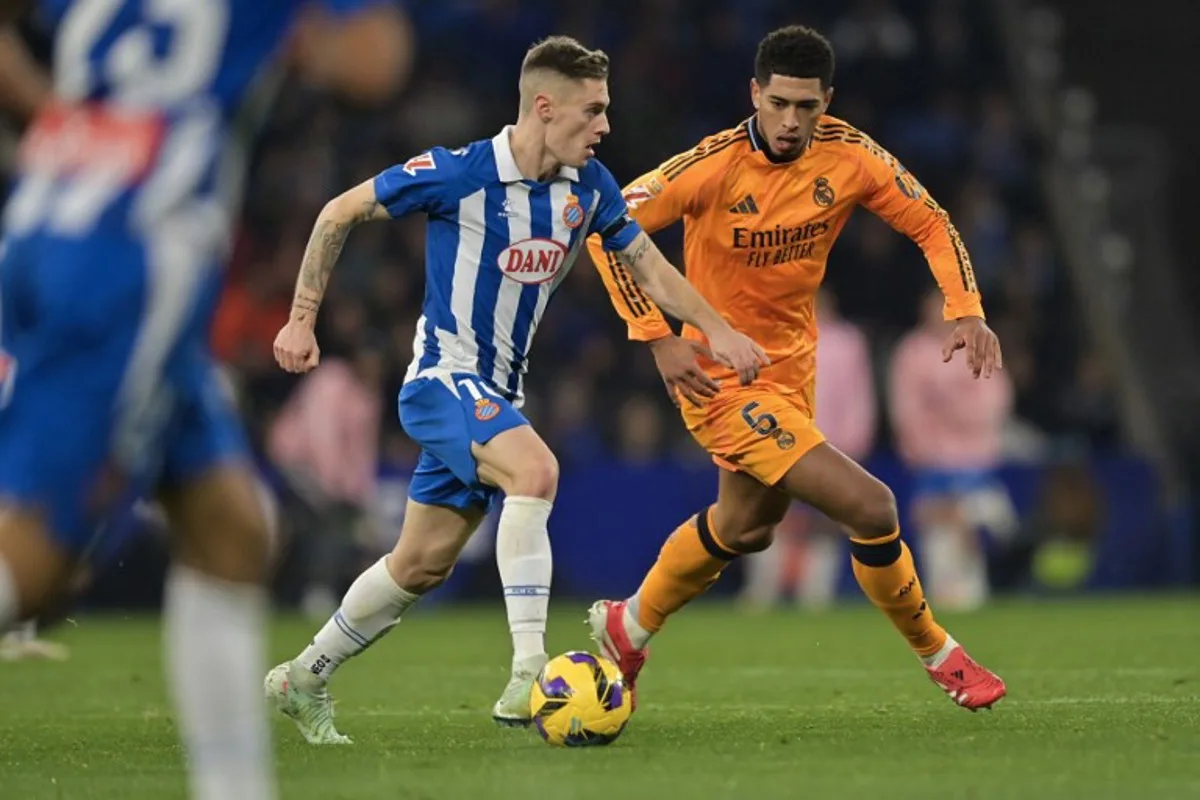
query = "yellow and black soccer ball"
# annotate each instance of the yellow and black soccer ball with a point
(580, 699)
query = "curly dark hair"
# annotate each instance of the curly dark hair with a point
(796, 51)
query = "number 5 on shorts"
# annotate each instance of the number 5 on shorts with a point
(763, 423)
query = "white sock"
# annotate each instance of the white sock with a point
(937, 659)
(372, 606)
(9, 609)
(525, 562)
(818, 587)
(638, 636)
(215, 653)
(25, 631)
(762, 576)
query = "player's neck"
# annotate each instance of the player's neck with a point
(529, 151)
(770, 154)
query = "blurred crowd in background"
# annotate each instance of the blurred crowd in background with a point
(926, 78)
(928, 83)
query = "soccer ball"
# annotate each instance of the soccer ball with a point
(579, 699)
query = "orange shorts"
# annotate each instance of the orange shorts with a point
(755, 430)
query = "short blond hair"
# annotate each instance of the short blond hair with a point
(566, 57)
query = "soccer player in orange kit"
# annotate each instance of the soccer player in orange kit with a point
(762, 204)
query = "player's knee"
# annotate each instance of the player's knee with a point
(246, 548)
(420, 577)
(538, 477)
(36, 569)
(751, 540)
(236, 550)
(875, 516)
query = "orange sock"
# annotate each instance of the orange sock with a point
(885, 571)
(690, 561)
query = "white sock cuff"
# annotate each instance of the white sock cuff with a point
(530, 503)
(229, 596)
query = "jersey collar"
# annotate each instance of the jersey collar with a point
(506, 163)
(757, 143)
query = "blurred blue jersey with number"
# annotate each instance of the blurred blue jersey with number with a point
(114, 239)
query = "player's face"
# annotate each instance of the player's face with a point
(578, 121)
(788, 110)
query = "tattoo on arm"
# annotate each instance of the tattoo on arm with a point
(631, 257)
(324, 247)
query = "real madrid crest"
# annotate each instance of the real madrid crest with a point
(823, 194)
(572, 215)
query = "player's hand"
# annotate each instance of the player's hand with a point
(972, 335)
(296, 347)
(676, 360)
(738, 352)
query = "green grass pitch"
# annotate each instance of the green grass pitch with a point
(1104, 702)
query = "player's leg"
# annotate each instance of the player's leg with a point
(33, 567)
(215, 606)
(823, 560)
(951, 558)
(215, 598)
(489, 446)
(755, 436)
(22, 643)
(519, 463)
(61, 359)
(845, 492)
(742, 521)
(430, 541)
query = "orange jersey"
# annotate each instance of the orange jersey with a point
(757, 235)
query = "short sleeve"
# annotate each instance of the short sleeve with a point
(420, 184)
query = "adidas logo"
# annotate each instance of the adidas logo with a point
(745, 206)
(957, 674)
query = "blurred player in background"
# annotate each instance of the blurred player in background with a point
(116, 234)
(24, 88)
(762, 205)
(507, 217)
(949, 431)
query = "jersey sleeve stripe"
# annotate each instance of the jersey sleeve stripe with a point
(965, 271)
(720, 138)
(700, 155)
(630, 292)
(712, 141)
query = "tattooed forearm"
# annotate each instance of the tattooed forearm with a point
(631, 257)
(324, 247)
(321, 253)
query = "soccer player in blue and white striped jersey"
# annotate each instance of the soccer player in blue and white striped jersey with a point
(508, 217)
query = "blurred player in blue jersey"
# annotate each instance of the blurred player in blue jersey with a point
(507, 218)
(114, 241)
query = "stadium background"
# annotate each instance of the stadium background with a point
(1061, 202)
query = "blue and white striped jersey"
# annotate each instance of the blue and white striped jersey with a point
(497, 246)
(156, 102)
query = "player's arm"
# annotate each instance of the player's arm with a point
(361, 49)
(898, 198)
(656, 200)
(339, 216)
(667, 287)
(24, 85)
(413, 186)
(621, 235)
